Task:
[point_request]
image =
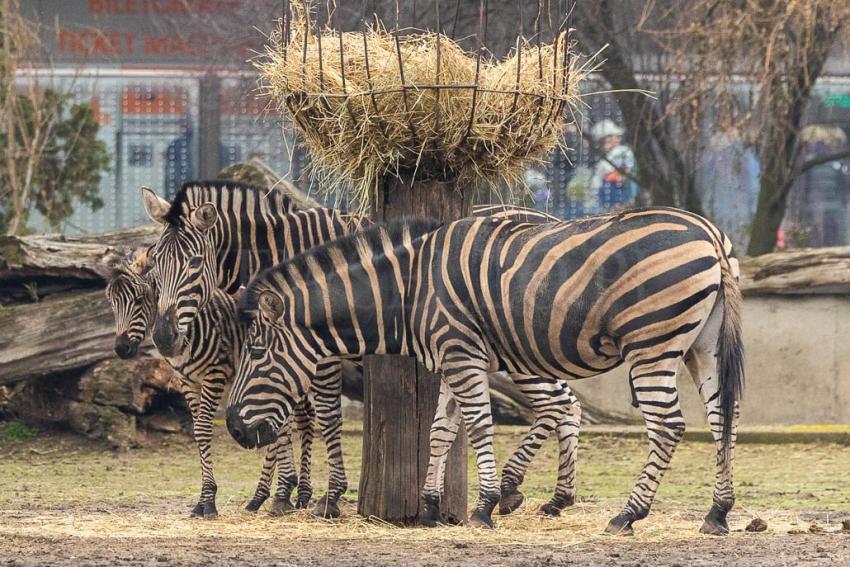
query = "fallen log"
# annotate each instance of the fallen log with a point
(106, 402)
(33, 267)
(808, 271)
(64, 332)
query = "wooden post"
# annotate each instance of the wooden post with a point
(400, 395)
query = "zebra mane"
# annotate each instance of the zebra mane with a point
(397, 232)
(134, 264)
(194, 193)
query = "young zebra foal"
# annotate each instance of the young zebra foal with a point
(561, 301)
(204, 367)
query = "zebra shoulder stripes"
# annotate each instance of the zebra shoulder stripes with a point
(569, 300)
(213, 343)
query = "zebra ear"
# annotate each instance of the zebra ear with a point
(155, 206)
(204, 217)
(271, 305)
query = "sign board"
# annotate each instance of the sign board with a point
(202, 34)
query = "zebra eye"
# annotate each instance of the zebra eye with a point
(195, 262)
(257, 352)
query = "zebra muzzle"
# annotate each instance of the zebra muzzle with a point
(126, 347)
(248, 436)
(166, 337)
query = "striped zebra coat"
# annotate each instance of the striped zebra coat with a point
(217, 235)
(648, 288)
(204, 367)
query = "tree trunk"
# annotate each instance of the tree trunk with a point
(768, 218)
(400, 395)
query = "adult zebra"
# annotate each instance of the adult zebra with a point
(204, 367)
(220, 234)
(649, 287)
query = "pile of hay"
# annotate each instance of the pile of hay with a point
(360, 126)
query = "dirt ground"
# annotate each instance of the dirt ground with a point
(66, 501)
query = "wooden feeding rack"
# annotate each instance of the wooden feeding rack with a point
(411, 122)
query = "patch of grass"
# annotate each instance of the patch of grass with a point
(16, 431)
(56, 471)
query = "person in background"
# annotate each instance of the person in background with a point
(609, 180)
(728, 181)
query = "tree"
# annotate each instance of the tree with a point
(49, 152)
(697, 52)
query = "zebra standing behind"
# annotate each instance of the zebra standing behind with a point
(204, 367)
(650, 288)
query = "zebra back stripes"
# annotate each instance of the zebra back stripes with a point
(566, 300)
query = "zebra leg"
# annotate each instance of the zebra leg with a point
(263, 490)
(304, 417)
(194, 409)
(443, 433)
(327, 389)
(470, 388)
(701, 361)
(286, 476)
(211, 391)
(655, 388)
(550, 400)
(565, 490)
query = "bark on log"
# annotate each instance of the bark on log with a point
(798, 272)
(37, 266)
(104, 402)
(64, 332)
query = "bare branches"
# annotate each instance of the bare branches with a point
(49, 154)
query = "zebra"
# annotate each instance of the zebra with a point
(648, 287)
(204, 368)
(215, 236)
(219, 234)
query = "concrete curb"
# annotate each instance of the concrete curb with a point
(839, 435)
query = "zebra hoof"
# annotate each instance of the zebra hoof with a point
(431, 516)
(550, 510)
(303, 499)
(480, 519)
(715, 522)
(327, 509)
(621, 525)
(254, 503)
(280, 507)
(205, 510)
(510, 501)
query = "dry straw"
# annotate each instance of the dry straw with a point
(375, 103)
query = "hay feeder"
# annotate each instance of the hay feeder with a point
(409, 121)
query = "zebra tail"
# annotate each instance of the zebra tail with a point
(730, 346)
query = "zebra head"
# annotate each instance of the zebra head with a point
(133, 299)
(273, 376)
(183, 269)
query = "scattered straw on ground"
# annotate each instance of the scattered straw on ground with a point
(458, 116)
(582, 524)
